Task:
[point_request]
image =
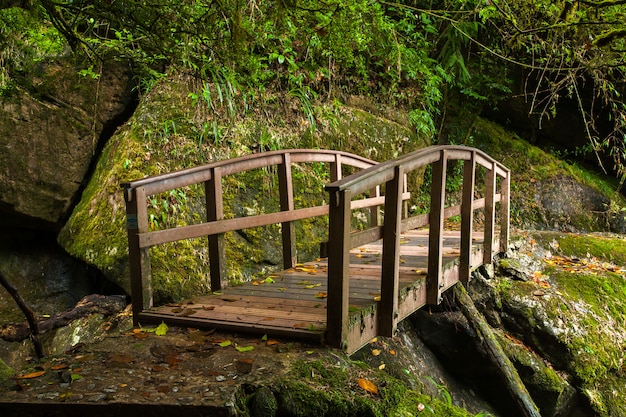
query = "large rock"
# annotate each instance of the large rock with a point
(49, 133)
(169, 131)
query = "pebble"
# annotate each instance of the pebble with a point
(185, 400)
(110, 389)
(96, 398)
(48, 396)
(220, 378)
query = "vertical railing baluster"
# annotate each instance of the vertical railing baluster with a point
(505, 214)
(467, 218)
(490, 212)
(335, 169)
(390, 271)
(139, 258)
(435, 235)
(374, 211)
(338, 267)
(285, 185)
(215, 211)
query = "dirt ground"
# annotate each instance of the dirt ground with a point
(138, 369)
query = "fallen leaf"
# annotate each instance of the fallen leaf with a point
(59, 367)
(373, 340)
(376, 352)
(312, 286)
(225, 343)
(321, 294)
(392, 352)
(368, 386)
(539, 293)
(161, 329)
(272, 342)
(269, 280)
(381, 366)
(120, 358)
(244, 348)
(31, 375)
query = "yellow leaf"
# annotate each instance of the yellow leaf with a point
(381, 366)
(312, 286)
(376, 352)
(368, 386)
(374, 340)
(321, 294)
(377, 298)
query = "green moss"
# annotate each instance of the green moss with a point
(6, 374)
(320, 388)
(531, 167)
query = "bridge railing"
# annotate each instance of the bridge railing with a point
(391, 174)
(141, 239)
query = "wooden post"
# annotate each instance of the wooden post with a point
(215, 211)
(286, 204)
(467, 218)
(338, 268)
(139, 258)
(388, 307)
(435, 235)
(505, 212)
(490, 212)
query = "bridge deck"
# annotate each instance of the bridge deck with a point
(292, 303)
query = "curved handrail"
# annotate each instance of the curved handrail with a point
(164, 182)
(383, 172)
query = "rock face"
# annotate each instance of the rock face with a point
(49, 134)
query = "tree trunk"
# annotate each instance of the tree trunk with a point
(496, 354)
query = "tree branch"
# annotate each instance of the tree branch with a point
(28, 312)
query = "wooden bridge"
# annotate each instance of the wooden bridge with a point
(367, 281)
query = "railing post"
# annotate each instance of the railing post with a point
(338, 268)
(286, 204)
(388, 307)
(490, 213)
(467, 218)
(215, 211)
(335, 169)
(139, 258)
(505, 213)
(435, 235)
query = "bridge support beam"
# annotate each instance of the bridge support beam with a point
(138, 257)
(338, 268)
(390, 272)
(288, 231)
(435, 235)
(467, 218)
(215, 211)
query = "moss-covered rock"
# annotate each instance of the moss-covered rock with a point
(174, 129)
(549, 193)
(572, 313)
(6, 374)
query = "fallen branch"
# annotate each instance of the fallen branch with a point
(95, 303)
(32, 330)
(505, 368)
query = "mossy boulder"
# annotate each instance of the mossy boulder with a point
(548, 192)
(572, 313)
(173, 129)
